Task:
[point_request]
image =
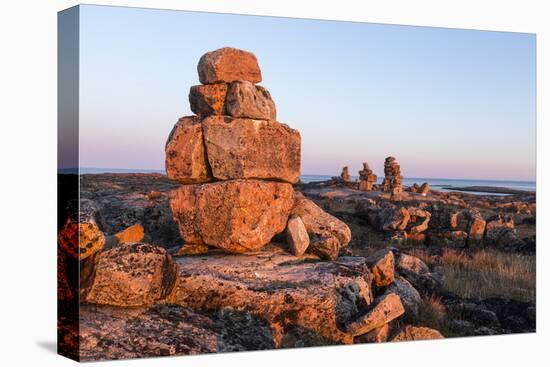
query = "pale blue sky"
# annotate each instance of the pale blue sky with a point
(447, 103)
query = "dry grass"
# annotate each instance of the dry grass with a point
(431, 313)
(486, 273)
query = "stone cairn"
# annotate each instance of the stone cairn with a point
(366, 178)
(237, 165)
(393, 181)
(345, 176)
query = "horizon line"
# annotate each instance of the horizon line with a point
(138, 170)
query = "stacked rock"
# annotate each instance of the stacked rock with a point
(366, 178)
(345, 176)
(236, 161)
(237, 164)
(393, 181)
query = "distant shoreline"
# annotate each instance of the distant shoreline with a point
(501, 187)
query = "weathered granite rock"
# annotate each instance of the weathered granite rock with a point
(228, 64)
(417, 273)
(290, 293)
(296, 235)
(411, 264)
(386, 308)
(419, 220)
(381, 264)
(108, 333)
(185, 152)
(327, 233)
(394, 218)
(409, 295)
(81, 236)
(206, 100)
(245, 148)
(236, 216)
(246, 100)
(378, 335)
(416, 333)
(136, 274)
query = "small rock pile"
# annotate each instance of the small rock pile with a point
(237, 165)
(345, 176)
(393, 181)
(366, 178)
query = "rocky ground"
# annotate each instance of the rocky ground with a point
(389, 284)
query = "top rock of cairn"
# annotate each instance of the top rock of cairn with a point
(227, 65)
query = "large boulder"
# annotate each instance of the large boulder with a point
(206, 100)
(185, 152)
(246, 100)
(245, 148)
(131, 275)
(305, 301)
(381, 264)
(327, 233)
(236, 216)
(80, 236)
(228, 64)
(386, 308)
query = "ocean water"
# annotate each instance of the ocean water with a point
(440, 183)
(436, 183)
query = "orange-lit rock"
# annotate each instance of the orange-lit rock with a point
(386, 308)
(190, 249)
(137, 274)
(327, 233)
(185, 152)
(381, 264)
(131, 234)
(237, 215)
(378, 335)
(290, 293)
(296, 236)
(228, 64)
(80, 236)
(245, 148)
(206, 100)
(416, 333)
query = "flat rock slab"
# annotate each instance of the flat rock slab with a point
(126, 199)
(108, 333)
(304, 300)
